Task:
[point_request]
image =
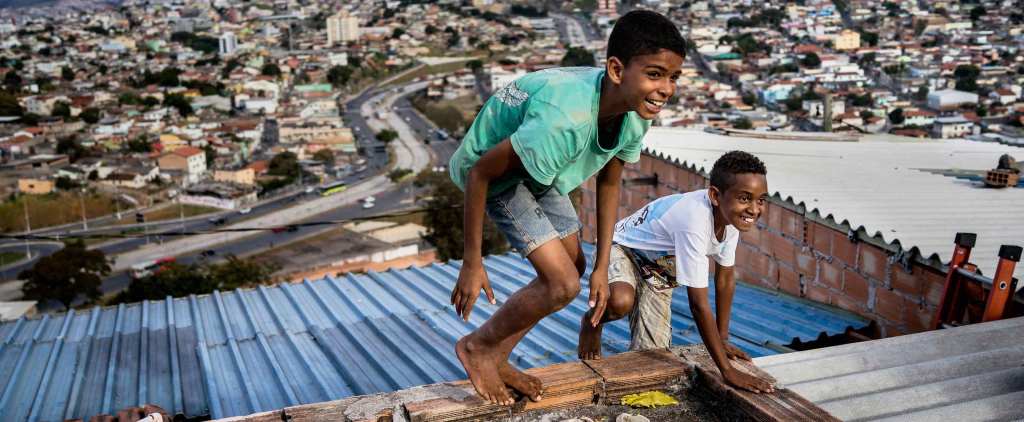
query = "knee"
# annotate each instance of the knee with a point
(565, 289)
(581, 264)
(619, 305)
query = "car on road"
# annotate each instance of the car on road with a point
(245, 210)
(208, 253)
(217, 221)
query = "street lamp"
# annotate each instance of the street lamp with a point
(81, 201)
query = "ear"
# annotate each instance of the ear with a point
(614, 69)
(714, 195)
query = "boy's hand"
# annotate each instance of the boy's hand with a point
(734, 352)
(747, 382)
(598, 294)
(471, 279)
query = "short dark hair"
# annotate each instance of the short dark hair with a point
(643, 32)
(732, 163)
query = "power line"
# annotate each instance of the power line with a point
(286, 227)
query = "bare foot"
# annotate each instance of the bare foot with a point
(483, 373)
(590, 339)
(528, 385)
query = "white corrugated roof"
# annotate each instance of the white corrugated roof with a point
(969, 373)
(876, 183)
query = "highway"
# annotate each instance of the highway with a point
(409, 151)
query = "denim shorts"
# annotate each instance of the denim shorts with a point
(529, 219)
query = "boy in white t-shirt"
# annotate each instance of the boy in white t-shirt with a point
(668, 243)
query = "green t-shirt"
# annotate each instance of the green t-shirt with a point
(551, 118)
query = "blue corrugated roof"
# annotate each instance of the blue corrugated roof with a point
(250, 350)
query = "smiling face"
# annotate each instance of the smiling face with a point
(647, 81)
(743, 203)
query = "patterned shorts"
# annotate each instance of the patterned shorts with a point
(650, 321)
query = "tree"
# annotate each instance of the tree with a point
(179, 102)
(339, 76)
(475, 65)
(865, 115)
(862, 100)
(270, 69)
(67, 74)
(444, 220)
(896, 116)
(398, 32)
(9, 104)
(325, 156)
(284, 164)
(70, 146)
(387, 135)
(90, 115)
(140, 145)
(65, 183)
(169, 77)
(743, 123)
(869, 38)
(921, 94)
(67, 274)
(977, 12)
(967, 85)
(177, 280)
(811, 60)
(578, 56)
(12, 81)
(62, 110)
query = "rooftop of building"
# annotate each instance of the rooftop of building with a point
(886, 187)
(246, 351)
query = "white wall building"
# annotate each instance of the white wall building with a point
(950, 98)
(228, 43)
(342, 27)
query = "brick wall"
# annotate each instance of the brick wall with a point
(800, 254)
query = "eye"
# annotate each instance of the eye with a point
(744, 199)
(761, 201)
(653, 74)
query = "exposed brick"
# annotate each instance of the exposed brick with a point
(783, 250)
(888, 304)
(892, 330)
(789, 281)
(903, 282)
(845, 302)
(872, 261)
(793, 225)
(932, 287)
(818, 294)
(830, 275)
(774, 217)
(765, 238)
(759, 265)
(843, 249)
(821, 238)
(806, 264)
(752, 237)
(918, 318)
(743, 254)
(855, 286)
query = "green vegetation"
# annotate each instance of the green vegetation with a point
(7, 258)
(387, 135)
(67, 274)
(177, 280)
(896, 116)
(52, 209)
(444, 221)
(578, 56)
(398, 174)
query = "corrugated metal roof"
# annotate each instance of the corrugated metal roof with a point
(877, 185)
(970, 373)
(239, 352)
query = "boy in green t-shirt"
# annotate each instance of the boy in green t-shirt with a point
(533, 142)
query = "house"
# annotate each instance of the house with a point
(918, 117)
(952, 127)
(1004, 96)
(245, 176)
(950, 99)
(190, 161)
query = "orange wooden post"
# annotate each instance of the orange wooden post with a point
(951, 291)
(1003, 283)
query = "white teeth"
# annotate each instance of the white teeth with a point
(748, 219)
(656, 103)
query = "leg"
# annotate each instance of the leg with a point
(529, 385)
(556, 285)
(620, 304)
(622, 295)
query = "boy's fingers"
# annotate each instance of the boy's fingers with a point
(490, 293)
(599, 310)
(468, 308)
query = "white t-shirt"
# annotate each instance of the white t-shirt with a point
(682, 225)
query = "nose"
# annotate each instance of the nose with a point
(667, 88)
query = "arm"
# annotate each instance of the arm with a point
(472, 277)
(608, 182)
(725, 287)
(701, 309)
